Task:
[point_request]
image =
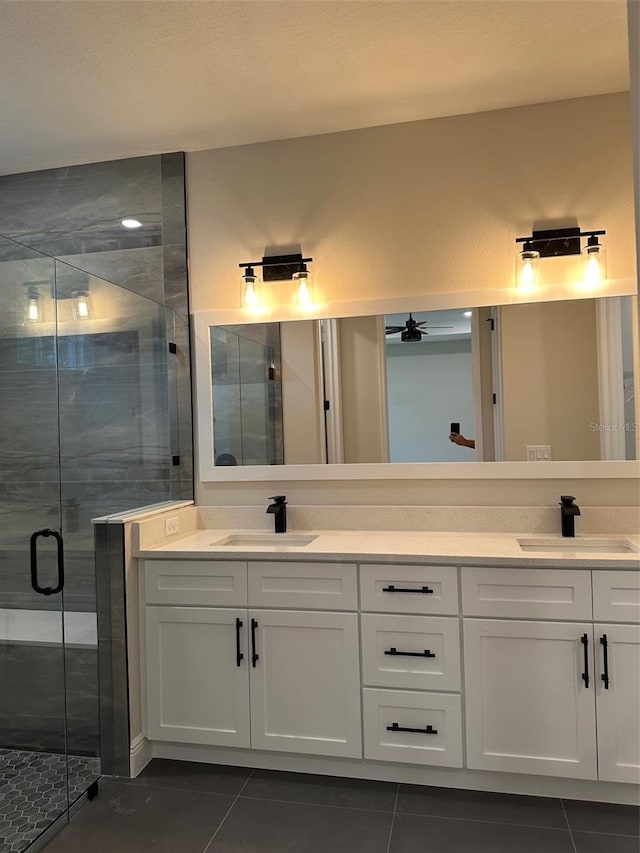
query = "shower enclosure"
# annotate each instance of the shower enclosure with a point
(88, 427)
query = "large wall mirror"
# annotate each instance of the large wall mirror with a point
(531, 382)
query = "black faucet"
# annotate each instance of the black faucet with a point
(568, 512)
(279, 509)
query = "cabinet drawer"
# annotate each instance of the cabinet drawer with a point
(414, 652)
(218, 583)
(322, 586)
(616, 596)
(436, 718)
(526, 593)
(409, 589)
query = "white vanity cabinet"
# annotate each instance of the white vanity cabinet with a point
(542, 694)
(284, 679)
(305, 682)
(389, 663)
(406, 649)
(616, 599)
(197, 675)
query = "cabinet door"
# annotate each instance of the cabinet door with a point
(197, 685)
(305, 682)
(529, 708)
(618, 702)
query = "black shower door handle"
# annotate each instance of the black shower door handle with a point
(46, 590)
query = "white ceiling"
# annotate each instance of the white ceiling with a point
(84, 81)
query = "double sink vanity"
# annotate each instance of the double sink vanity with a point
(478, 660)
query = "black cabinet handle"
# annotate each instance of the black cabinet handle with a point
(605, 659)
(46, 590)
(393, 652)
(239, 655)
(255, 657)
(425, 590)
(585, 675)
(429, 730)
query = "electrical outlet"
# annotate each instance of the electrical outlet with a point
(171, 525)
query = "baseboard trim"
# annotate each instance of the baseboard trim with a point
(444, 777)
(140, 754)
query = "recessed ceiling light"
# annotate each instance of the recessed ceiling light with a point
(132, 223)
(467, 313)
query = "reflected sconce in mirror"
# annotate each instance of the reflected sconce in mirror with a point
(33, 310)
(81, 305)
(277, 268)
(559, 242)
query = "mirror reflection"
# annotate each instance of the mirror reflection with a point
(527, 382)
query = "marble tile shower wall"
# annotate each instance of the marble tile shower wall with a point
(125, 406)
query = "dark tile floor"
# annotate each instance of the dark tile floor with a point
(178, 807)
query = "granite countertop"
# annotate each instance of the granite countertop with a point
(480, 549)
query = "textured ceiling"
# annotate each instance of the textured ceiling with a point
(86, 81)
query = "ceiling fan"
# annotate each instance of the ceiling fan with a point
(412, 329)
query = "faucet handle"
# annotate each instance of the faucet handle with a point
(279, 499)
(566, 500)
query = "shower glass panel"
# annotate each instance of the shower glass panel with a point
(85, 431)
(33, 748)
(247, 395)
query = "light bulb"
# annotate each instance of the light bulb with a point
(250, 298)
(594, 263)
(131, 223)
(33, 310)
(467, 313)
(251, 295)
(303, 287)
(81, 305)
(528, 268)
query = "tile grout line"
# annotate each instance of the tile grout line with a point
(393, 816)
(228, 812)
(134, 783)
(564, 812)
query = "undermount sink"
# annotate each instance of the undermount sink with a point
(579, 545)
(288, 540)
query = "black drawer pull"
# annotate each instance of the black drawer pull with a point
(424, 590)
(239, 655)
(394, 727)
(605, 660)
(255, 657)
(584, 639)
(393, 652)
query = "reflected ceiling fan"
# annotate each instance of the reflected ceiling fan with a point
(412, 331)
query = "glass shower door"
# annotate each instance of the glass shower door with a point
(33, 740)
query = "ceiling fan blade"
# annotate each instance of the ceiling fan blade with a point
(393, 330)
(424, 325)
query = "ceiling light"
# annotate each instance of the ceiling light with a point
(132, 223)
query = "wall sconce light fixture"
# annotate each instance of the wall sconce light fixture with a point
(81, 305)
(558, 242)
(33, 312)
(277, 268)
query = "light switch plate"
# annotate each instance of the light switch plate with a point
(538, 452)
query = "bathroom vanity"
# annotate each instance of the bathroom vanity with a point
(466, 660)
